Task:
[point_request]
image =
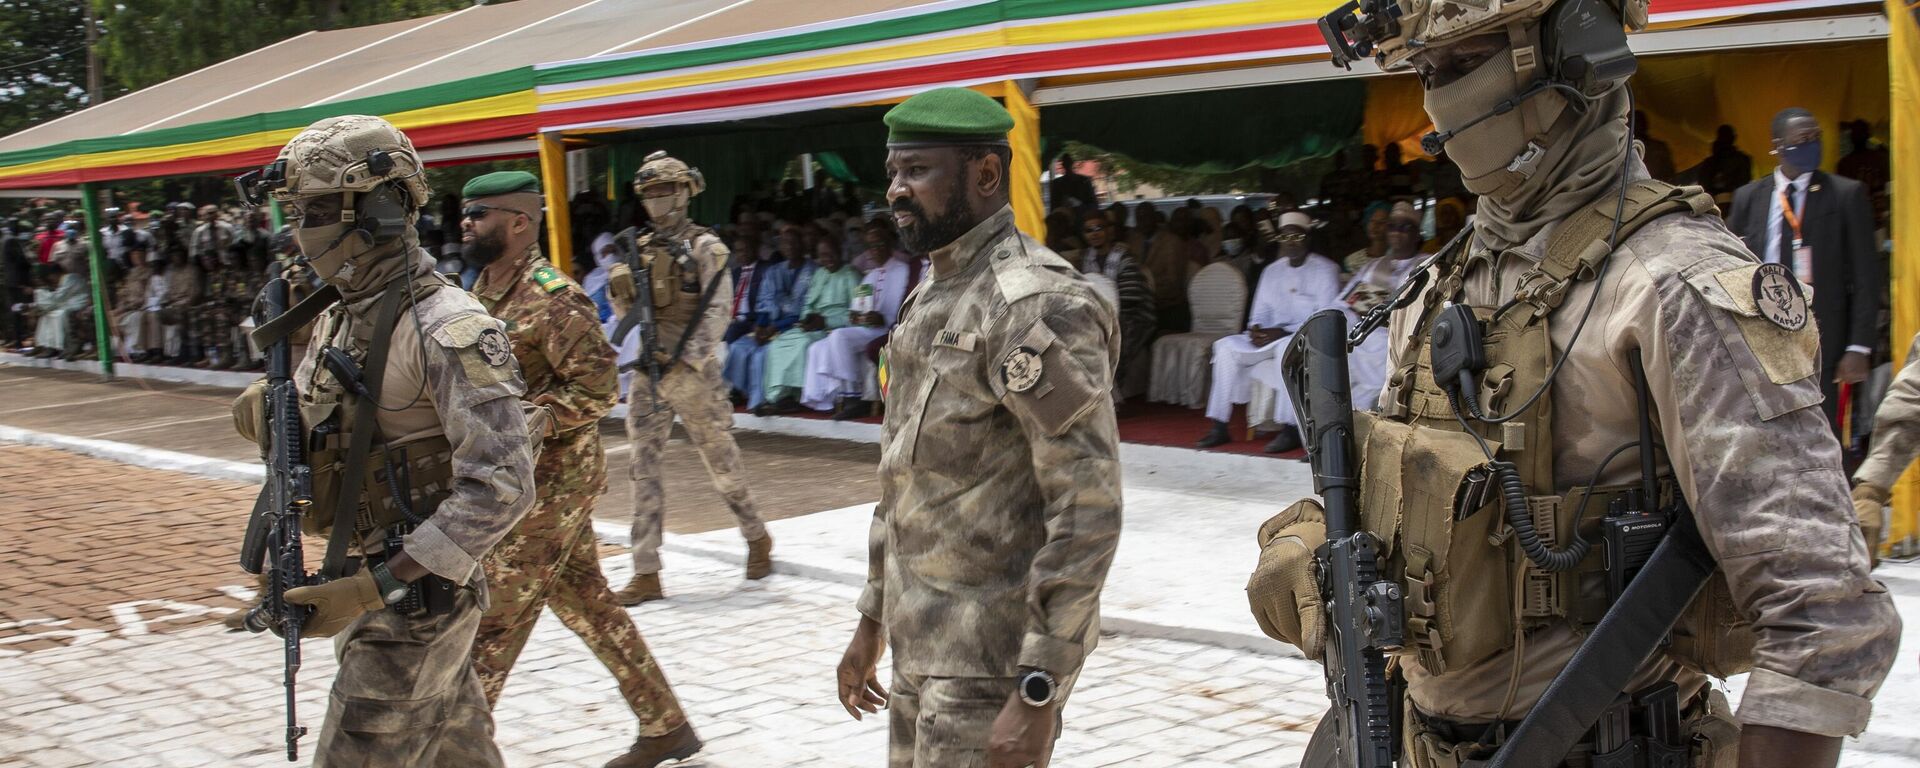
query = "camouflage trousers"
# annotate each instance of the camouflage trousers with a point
(551, 560)
(699, 396)
(406, 695)
(943, 722)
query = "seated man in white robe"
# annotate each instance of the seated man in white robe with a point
(1292, 288)
(1372, 284)
(835, 372)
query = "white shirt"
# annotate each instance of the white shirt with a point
(1776, 219)
(890, 287)
(1288, 295)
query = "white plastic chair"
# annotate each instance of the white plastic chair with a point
(1182, 362)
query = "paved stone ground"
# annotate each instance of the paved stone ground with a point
(753, 663)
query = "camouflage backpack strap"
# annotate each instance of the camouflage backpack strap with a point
(1587, 238)
(272, 331)
(360, 437)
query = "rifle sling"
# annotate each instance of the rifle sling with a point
(360, 439)
(272, 331)
(1630, 632)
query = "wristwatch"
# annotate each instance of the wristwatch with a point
(392, 590)
(1037, 688)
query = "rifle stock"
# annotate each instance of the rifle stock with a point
(640, 315)
(1363, 610)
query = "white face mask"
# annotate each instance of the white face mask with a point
(1232, 246)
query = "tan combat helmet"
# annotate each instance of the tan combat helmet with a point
(1394, 30)
(662, 168)
(351, 153)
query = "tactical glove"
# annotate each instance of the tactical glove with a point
(1282, 592)
(1868, 500)
(620, 283)
(337, 603)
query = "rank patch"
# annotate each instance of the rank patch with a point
(494, 347)
(1021, 369)
(1779, 297)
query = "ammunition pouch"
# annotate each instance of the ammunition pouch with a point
(403, 484)
(1647, 730)
(664, 271)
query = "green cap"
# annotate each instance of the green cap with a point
(500, 183)
(946, 116)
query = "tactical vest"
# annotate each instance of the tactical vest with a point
(676, 279)
(376, 485)
(1429, 495)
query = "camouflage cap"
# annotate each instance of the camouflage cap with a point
(948, 116)
(662, 168)
(500, 183)
(351, 153)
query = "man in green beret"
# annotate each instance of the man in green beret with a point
(551, 558)
(999, 468)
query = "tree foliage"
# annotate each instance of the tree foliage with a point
(43, 61)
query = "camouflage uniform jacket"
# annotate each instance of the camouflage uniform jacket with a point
(449, 372)
(1737, 408)
(1896, 427)
(566, 360)
(710, 258)
(1000, 481)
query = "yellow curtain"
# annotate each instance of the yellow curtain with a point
(553, 178)
(1904, 57)
(1688, 97)
(1396, 114)
(1029, 213)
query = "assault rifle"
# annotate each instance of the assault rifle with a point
(1364, 620)
(626, 246)
(272, 544)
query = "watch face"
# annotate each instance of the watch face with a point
(1036, 689)
(395, 596)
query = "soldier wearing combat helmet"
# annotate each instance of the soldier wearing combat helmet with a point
(1499, 416)
(692, 287)
(419, 448)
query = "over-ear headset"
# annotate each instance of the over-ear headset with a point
(380, 212)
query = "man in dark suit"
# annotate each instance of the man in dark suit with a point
(1819, 226)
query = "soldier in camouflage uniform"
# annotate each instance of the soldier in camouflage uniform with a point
(230, 289)
(552, 559)
(999, 468)
(691, 285)
(1727, 350)
(447, 405)
(1896, 442)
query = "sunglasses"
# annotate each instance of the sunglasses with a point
(478, 211)
(1292, 237)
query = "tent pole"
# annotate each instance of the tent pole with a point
(553, 173)
(1903, 45)
(97, 268)
(279, 217)
(1029, 213)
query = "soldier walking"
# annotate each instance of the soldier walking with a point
(691, 283)
(999, 470)
(1695, 355)
(420, 454)
(551, 559)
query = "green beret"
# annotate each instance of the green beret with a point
(946, 116)
(500, 183)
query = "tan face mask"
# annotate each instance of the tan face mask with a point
(1498, 153)
(667, 212)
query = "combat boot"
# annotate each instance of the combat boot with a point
(642, 588)
(760, 557)
(649, 751)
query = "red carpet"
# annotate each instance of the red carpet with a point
(1149, 424)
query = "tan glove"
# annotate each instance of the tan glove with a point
(1868, 502)
(250, 413)
(620, 283)
(1282, 592)
(337, 603)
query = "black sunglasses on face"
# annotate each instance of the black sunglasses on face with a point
(478, 211)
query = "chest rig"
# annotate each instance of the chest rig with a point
(670, 265)
(378, 490)
(1457, 471)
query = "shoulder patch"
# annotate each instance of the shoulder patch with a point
(1779, 297)
(549, 279)
(465, 330)
(1786, 348)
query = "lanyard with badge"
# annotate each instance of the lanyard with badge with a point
(1802, 253)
